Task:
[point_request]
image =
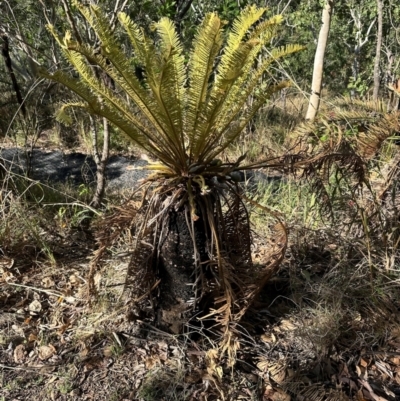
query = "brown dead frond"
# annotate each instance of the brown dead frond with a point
(362, 126)
(340, 146)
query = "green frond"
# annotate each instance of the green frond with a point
(267, 29)
(94, 106)
(236, 78)
(241, 26)
(219, 93)
(233, 128)
(145, 51)
(75, 85)
(63, 117)
(171, 90)
(115, 104)
(136, 36)
(120, 71)
(245, 86)
(227, 107)
(206, 46)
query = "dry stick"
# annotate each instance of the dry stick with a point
(55, 294)
(30, 368)
(101, 162)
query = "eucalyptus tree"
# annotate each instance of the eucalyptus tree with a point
(319, 61)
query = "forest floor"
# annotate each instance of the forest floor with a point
(327, 327)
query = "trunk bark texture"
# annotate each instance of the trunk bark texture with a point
(101, 161)
(319, 61)
(177, 270)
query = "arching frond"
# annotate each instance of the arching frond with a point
(206, 46)
(63, 117)
(119, 70)
(244, 87)
(170, 89)
(234, 44)
(144, 50)
(231, 131)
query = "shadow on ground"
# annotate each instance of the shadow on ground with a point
(75, 168)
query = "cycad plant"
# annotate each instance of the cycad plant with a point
(192, 232)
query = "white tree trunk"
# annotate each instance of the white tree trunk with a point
(319, 61)
(378, 51)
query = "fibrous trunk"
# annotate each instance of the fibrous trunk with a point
(182, 249)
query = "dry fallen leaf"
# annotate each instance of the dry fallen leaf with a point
(46, 351)
(268, 338)
(35, 307)
(163, 351)
(97, 280)
(63, 328)
(7, 277)
(362, 372)
(20, 353)
(384, 368)
(262, 364)
(275, 394)
(277, 372)
(74, 279)
(151, 362)
(5, 263)
(286, 325)
(47, 282)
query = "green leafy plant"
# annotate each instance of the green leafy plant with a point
(185, 115)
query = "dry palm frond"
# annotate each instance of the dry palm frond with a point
(340, 146)
(363, 125)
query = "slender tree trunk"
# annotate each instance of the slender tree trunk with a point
(378, 51)
(361, 39)
(101, 161)
(6, 55)
(316, 87)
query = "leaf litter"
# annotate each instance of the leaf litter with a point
(51, 340)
